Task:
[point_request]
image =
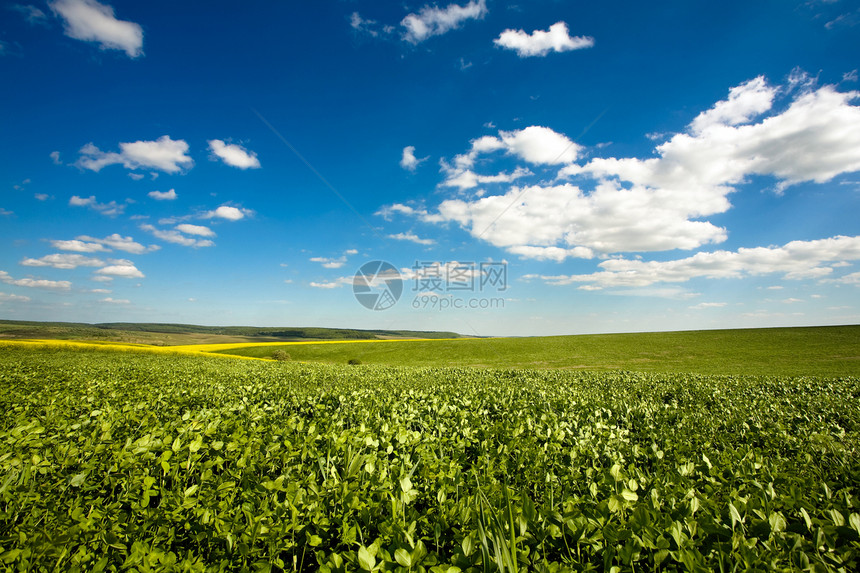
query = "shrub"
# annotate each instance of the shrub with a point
(353, 361)
(280, 355)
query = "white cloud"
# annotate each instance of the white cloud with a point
(540, 43)
(115, 241)
(101, 291)
(399, 208)
(32, 14)
(63, 261)
(332, 284)
(408, 161)
(795, 261)
(704, 305)
(535, 144)
(434, 21)
(110, 300)
(121, 268)
(13, 298)
(745, 102)
(660, 203)
(163, 195)
(850, 279)
(850, 76)
(5, 212)
(111, 209)
(55, 157)
(329, 263)
(176, 236)
(540, 145)
(233, 154)
(351, 252)
(164, 154)
(199, 230)
(79, 246)
(412, 237)
(467, 179)
(228, 212)
(607, 220)
(91, 21)
(35, 283)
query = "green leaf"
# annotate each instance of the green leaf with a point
(314, 540)
(629, 495)
(854, 520)
(365, 560)
(735, 515)
(468, 545)
(79, 479)
(402, 556)
(406, 485)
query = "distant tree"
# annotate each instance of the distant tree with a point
(354, 361)
(280, 355)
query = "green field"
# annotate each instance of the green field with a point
(829, 351)
(180, 334)
(131, 461)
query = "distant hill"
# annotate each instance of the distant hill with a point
(173, 334)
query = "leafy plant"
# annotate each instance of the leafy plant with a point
(116, 461)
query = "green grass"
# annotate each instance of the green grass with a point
(142, 461)
(824, 351)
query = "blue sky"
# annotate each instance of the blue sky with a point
(630, 166)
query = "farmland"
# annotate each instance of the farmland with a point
(831, 351)
(157, 461)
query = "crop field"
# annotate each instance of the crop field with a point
(830, 351)
(148, 461)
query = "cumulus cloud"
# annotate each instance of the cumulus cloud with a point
(121, 268)
(228, 212)
(412, 237)
(540, 43)
(35, 283)
(537, 145)
(795, 260)
(661, 203)
(163, 195)
(434, 21)
(233, 154)
(199, 230)
(745, 102)
(163, 154)
(63, 261)
(114, 241)
(408, 161)
(178, 237)
(79, 246)
(91, 21)
(467, 179)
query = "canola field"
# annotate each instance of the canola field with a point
(157, 460)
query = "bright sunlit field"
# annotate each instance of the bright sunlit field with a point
(155, 461)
